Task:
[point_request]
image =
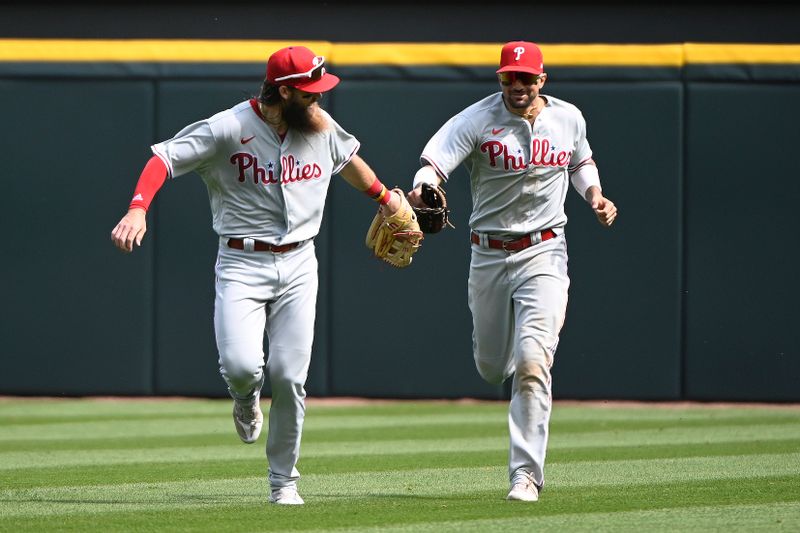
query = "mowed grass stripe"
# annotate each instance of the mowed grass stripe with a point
(335, 428)
(558, 452)
(400, 444)
(417, 427)
(620, 473)
(328, 430)
(59, 412)
(141, 425)
(217, 469)
(59, 409)
(419, 498)
(784, 516)
(426, 481)
(668, 411)
(153, 472)
(322, 421)
(315, 448)
(73, 458)
(97, 407)
(483, 507)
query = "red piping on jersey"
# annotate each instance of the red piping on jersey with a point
(256, 108)
(441, 174)
(587, 161)
(347, 160)
(150, 181)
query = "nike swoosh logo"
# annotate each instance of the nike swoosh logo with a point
(245, 141)
(496, 131)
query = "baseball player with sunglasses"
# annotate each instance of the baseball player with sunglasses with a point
(267, 163)
(522, 149)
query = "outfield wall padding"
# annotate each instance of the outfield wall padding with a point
(691, 296)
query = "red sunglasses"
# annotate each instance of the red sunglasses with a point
(527, 78)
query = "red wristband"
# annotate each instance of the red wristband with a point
(378, 192)
(385, 196)
(150, 181)
(374, 189)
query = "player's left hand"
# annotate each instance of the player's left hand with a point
(396, 237)
(394, 204)
(605, 210)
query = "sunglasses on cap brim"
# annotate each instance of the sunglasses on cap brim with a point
(314, 74)
(527, 78)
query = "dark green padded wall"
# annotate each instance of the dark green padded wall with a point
(703, 174)
(621, 336)
(76, 313)
(742, 339)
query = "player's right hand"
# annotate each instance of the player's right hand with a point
(131, 229)
(414, 197)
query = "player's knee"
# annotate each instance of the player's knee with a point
(534, 362)
(532, 376)
(241, 374)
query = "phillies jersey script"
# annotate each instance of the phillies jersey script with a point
(260, 186)
(519, 173)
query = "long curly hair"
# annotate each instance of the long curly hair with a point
(269, 94)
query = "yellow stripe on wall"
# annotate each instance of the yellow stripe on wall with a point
(742, 53)
(143, 50)
(420, 54)
(669, 55)
(423, 54)
(463, 54)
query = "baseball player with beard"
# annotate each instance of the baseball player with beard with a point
(267, 163)
(522, 149)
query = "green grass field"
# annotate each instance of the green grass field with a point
(177, 465)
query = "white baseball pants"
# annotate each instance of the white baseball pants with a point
(276, 293)
(518, 303)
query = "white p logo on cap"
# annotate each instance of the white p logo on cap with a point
(519, 51)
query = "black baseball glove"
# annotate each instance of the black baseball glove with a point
(434, 217)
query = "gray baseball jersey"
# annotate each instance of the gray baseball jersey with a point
(519, 174)
(259, 186)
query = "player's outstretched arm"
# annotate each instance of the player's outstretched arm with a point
(359, 175)
(603, 208)
(130, 230)
(133, 226)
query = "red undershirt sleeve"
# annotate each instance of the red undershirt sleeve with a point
(151, 180)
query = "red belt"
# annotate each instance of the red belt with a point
(514, 245)
(259, 246)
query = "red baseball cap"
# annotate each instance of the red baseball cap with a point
(299, 67)
(521, 56)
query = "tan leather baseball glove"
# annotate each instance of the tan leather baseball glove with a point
(397, 237)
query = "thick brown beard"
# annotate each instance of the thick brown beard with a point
(301, 118)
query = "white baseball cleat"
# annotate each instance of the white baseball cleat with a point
(286, 496)
(248, 419)
(523, 488)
